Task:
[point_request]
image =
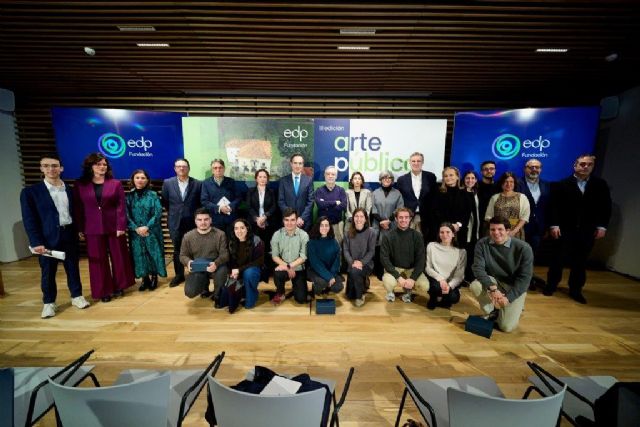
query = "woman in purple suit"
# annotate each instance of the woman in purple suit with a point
(100, 212)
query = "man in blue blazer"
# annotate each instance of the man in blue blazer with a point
(181, 198)
(416, 188)
(295, 191)
(538, 192)
(47, 216)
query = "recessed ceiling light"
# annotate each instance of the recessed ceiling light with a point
(552, 50)
(353, 47)
(152, 44)
(358, 31)
(136, 28)
(612, 57)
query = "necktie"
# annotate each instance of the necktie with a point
(296, 184)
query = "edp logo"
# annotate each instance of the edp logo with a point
(140, 143)
(114, 146)
(297, 133)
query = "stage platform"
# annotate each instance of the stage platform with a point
(164, 329)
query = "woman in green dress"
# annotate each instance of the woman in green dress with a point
(145, 231)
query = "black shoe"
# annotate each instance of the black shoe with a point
(105, 299)
(532, 285)
(154, 282)
(118, 293)
(432, 303)
(176, 281)
(548, 290)
(578, 297)
(493, 316)
(206, 294)
(146, 284)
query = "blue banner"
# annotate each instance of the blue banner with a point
(131, 140)
(555, 136)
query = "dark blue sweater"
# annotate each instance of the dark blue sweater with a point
(324, 257)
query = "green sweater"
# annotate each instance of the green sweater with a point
(512, 265)
(403, 249)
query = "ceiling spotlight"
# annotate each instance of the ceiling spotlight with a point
(612, 57)
(89, 51)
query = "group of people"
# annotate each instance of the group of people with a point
(416, 234)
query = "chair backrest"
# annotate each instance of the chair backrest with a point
(472, 410)
(6, 397)
(140, 403)
(239, 409)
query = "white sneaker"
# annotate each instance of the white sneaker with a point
(359, 301)
(49, 310)
(406, 297)
(80, 302)
(391, 297)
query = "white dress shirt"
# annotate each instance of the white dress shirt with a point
(60, 199)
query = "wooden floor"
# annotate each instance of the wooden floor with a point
(164, 329)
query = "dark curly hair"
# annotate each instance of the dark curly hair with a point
(315, 230)
(89, 161)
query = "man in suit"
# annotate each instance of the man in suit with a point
(579, 214)
(416, 188)
(295, 191)
(220, 196)
(181, 198)
(46, 213)
(537, 192)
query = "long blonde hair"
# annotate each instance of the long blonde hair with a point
(443, 186)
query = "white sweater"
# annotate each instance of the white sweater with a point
(446, 263)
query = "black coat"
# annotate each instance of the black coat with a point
(452, 206)
(574, 211)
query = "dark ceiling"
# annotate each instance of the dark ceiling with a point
(469, 49)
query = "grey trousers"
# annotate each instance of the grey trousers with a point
(509, 316)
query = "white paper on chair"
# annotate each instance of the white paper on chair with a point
(280, 386)
(48, 252)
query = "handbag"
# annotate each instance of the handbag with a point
(234, 293)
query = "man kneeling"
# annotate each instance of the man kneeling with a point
(204, 243)
(503, 267)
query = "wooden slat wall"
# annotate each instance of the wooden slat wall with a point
(36, 133)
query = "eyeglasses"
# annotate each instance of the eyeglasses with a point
(387, 177)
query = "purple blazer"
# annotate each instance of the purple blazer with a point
(107, 218)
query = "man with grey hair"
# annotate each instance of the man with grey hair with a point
(537, 191)
(220, 196)
(579, 215)
(416, 188)
(331, 201)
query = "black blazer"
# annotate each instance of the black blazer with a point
(270, 206)
(176, 207)
(572, 210)
(406, 189)
(538, 218)
(453, 206)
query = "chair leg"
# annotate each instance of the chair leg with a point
(404, 397)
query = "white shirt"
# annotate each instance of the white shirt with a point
(182, 185)
(60, 199)
(534, 188)
(416, 183)
(261, 201)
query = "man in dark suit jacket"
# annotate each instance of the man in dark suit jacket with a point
(538, 193)
(181, 198)
(416, 188)
(295, 191)
(47, 216)
(579, 214)
(220, 196)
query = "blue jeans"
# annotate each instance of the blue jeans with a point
(250, 279)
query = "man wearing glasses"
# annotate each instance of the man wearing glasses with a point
(181, 198)
(537, 191)
(579, 214)
(46, 213)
